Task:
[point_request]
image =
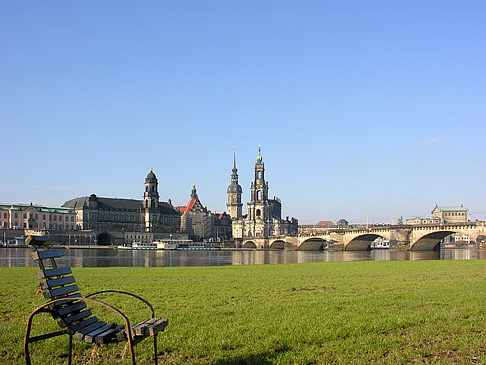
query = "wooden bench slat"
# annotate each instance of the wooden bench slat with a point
(63, 302)
(91, 327)
(86, 322)
(89, 337)
(75, 306)
(53, 293)
(47, 254)
(157, 326)
(49, 273)
(146, 328)
(79, 335)
(57, 282)
(76, 317)
(109, 335)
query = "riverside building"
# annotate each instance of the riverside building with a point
(113, 214)
(37, 217)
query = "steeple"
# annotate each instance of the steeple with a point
(234, 175)
(234, 193)
(259, 157)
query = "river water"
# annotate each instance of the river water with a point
(21, 257)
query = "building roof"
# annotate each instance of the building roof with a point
(325, 223)
(220, 216)
(452, 208)
(40, 208)
(186, 208)
(449, 208)
(116, 204)
(432, 218)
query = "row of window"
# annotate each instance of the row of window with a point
(116, 217)
(455, 214)
(59, 226)
(44, 217)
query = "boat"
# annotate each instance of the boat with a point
(197, 246)
(171, 244)
(139, 246)
(380, 244)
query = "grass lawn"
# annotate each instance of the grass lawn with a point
(320, 313)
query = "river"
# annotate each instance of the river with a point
(21, 257)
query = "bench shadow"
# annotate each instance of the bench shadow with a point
(261, 358)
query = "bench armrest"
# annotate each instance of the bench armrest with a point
(126, 293)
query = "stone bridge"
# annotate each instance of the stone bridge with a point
(401, 237)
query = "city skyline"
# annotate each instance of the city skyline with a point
(362, 109)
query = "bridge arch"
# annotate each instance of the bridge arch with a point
(249, 244)
(361, 242)
(278, 245)
(313, 244)
(431, 241)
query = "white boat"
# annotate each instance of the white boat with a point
(139, 246)
(172, 244)
(197, 246)
(380, 244)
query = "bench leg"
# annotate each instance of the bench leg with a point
(70, 349)
(155, 349)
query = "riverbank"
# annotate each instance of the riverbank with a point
(340, 312)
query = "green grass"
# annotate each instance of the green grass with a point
(340, 313)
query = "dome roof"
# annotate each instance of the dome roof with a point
(151, 176)
(234, 188)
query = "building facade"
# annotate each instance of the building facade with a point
(113, 214)
(442, 215)
(196, 219)
(264, 214)
(418, 221)
(451, 214)
(37, 217)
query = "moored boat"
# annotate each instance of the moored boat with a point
(139, 246)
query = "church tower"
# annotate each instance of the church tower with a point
(234, 193)
(151, 202)
(258, 207)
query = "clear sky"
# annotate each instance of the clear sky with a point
(362, 108)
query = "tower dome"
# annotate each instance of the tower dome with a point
(151, 177)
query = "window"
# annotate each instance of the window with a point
(258, 212)
(72, 218)
(36, 216)
(43, 217)
(55, 218)
(25, 215)
(16, 215)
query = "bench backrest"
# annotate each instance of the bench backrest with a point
(57, 283)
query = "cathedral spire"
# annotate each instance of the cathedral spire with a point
(234, 192)
(259, 157)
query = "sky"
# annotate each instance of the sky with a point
(364, 110)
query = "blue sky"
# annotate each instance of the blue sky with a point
(362, 108)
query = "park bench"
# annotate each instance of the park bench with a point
(70, 308)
